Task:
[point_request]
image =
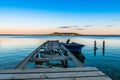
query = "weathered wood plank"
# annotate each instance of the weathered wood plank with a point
(81, 78)
(26, 60)
(42, 66)
(52, 75)
(54, 79)
(16, 71)
(94, 78)
(51, 58)
(75, 60)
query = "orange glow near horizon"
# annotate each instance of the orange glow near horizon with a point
(98, 31)
(23, 31)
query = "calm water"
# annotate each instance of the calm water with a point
(15, 48)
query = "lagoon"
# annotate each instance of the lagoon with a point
(15, 48)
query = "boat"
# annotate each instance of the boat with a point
(76, 49)
(74, 46)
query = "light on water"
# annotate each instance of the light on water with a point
(15, 48)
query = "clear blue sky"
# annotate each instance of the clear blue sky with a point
(46, 16)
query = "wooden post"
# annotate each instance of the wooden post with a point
(63, 64)
(95, 48)
(37, 56)
(103, 48)
(66, 61)
(36, 62)
(94, 44)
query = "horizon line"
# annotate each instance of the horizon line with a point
(53, 35)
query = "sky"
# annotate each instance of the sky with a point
(48, 16)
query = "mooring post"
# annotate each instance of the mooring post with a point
(66, 61)
(63, 64)
(95, 48)
(94, 44)
(103, 48)
(37, 62)
(37, 55)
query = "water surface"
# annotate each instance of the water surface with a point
(15, 48)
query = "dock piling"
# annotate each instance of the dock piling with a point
(95, 48)
(66, 61)
(103, 48)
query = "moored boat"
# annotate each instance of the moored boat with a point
(76, 49)
(74, 46)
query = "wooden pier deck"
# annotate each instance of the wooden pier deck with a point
(81, 73)
(50, 51)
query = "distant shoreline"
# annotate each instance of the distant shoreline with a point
(58, 34)
(49, 35)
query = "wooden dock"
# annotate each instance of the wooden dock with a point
(44, 70)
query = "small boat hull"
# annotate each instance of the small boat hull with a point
(76, 49)
(79, 55)
(74, 46)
